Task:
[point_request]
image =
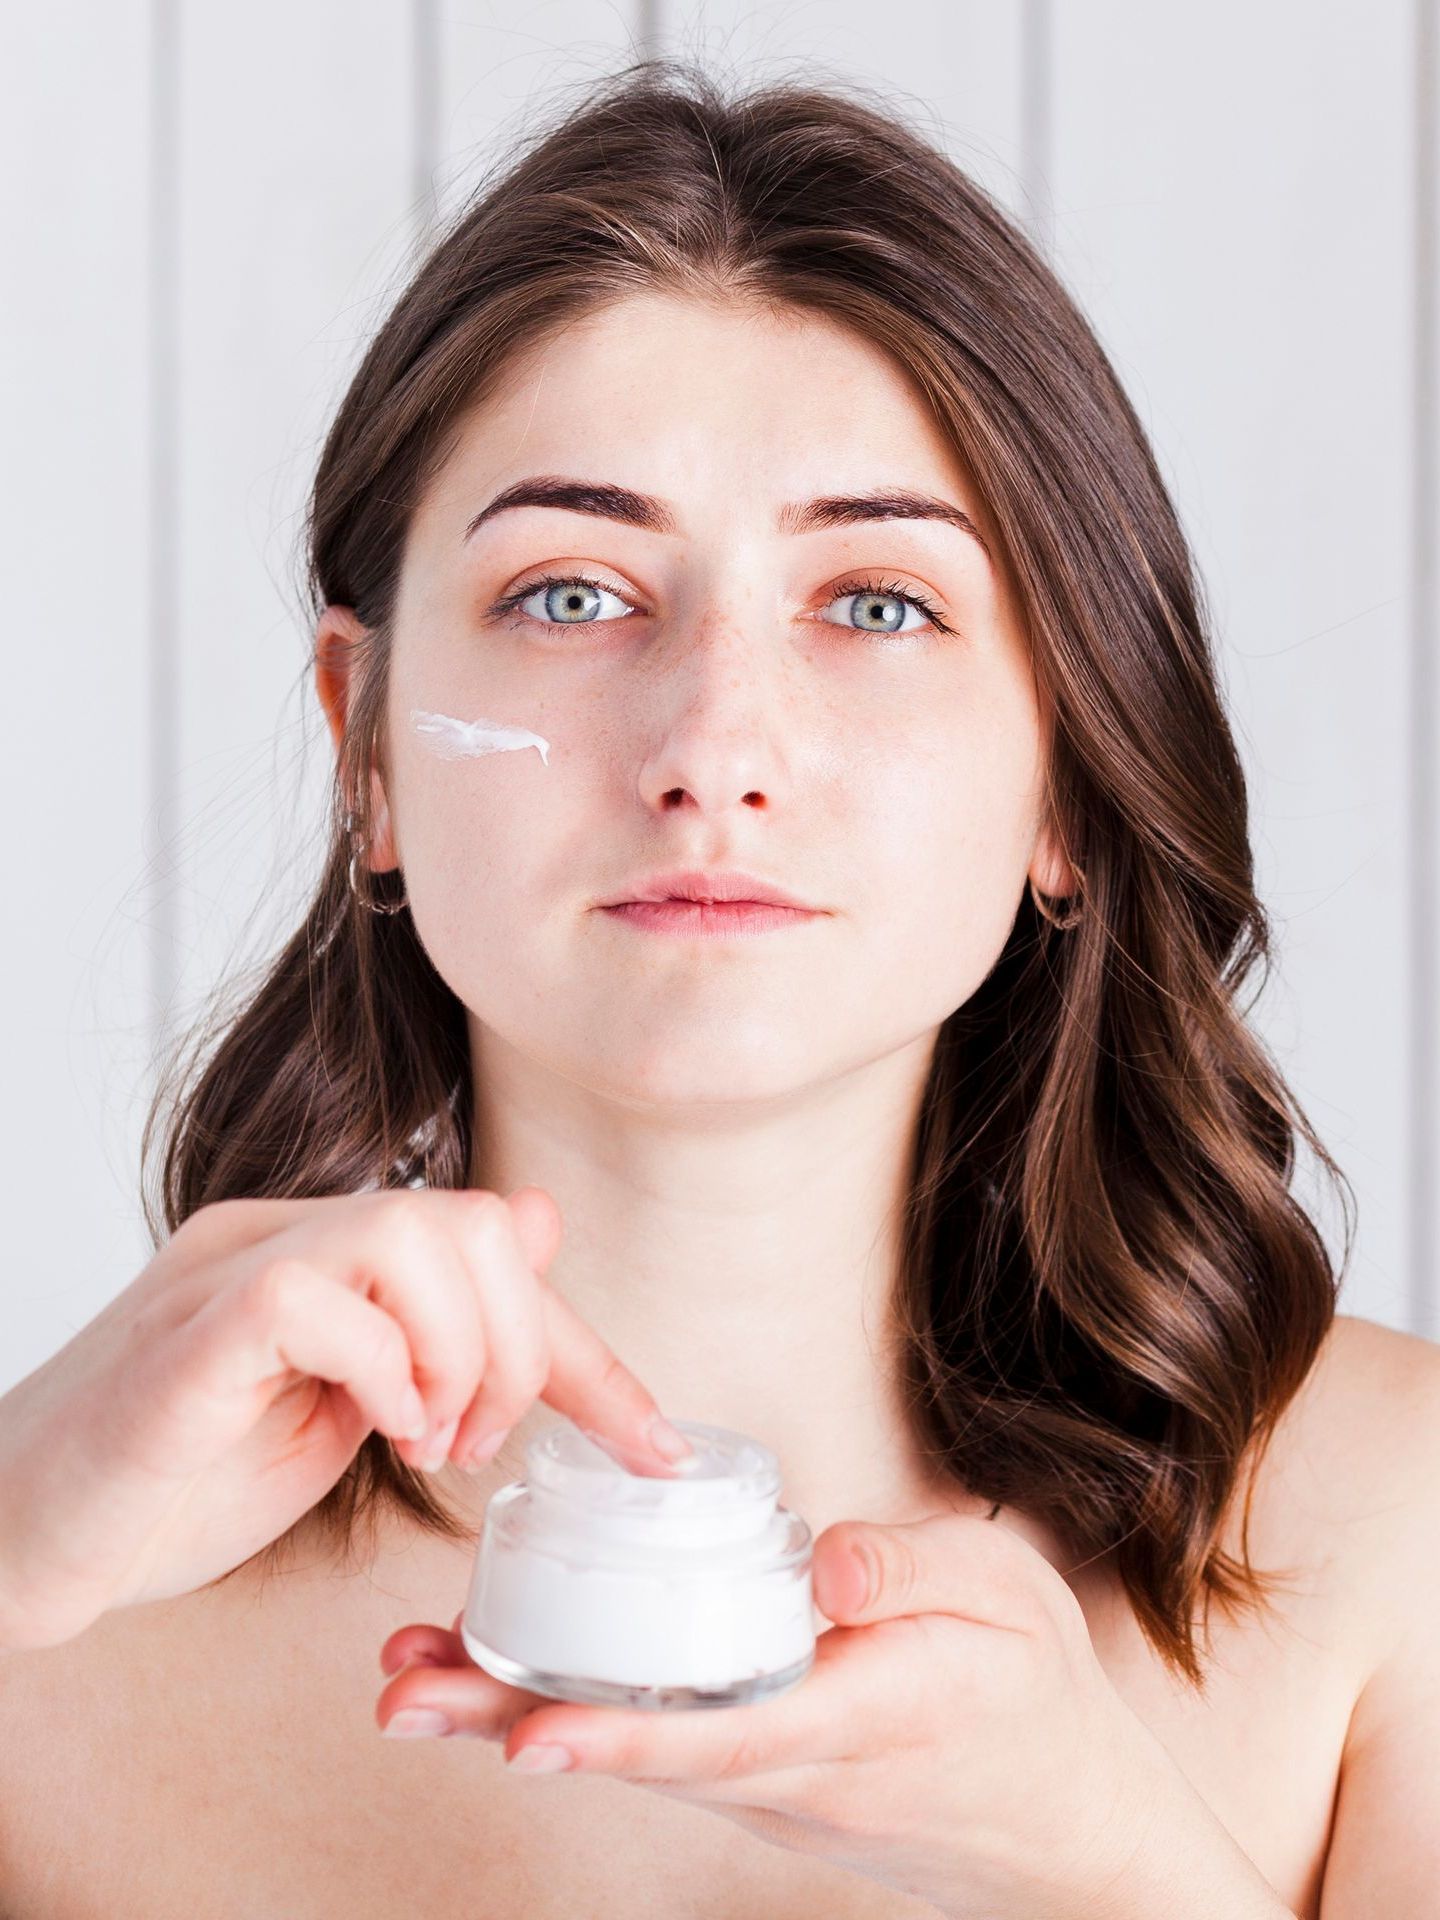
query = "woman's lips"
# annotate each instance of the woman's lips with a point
(708, 918)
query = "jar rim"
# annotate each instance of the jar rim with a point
(732, 1471)
(511, 1507)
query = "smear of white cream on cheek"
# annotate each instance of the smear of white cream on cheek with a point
(452, 738)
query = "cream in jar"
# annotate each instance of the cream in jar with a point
(596, 1584)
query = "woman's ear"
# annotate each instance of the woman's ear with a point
(337, 637)
(1050, 872)
(337, 640)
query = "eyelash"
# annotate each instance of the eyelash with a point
(846, 588)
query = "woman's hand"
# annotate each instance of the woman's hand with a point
(956, 1739)
(211, 1404)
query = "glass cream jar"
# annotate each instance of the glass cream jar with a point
(596, 1584)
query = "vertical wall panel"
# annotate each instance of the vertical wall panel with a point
(501, 66)
(1239, 227)
(297, 213)
(75, 742)
(1423, 691)
(956, 70)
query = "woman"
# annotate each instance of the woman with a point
(741, 459)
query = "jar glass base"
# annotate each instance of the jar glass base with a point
(620, 1693)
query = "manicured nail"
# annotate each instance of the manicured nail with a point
(485, 1449)
(541, 1759)
(668, 1443)
(411, 1723)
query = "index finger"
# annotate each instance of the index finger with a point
(591, 1385)
(587, 1381)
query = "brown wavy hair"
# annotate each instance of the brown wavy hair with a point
(1108, 1293)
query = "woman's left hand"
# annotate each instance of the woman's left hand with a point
(956, 1739)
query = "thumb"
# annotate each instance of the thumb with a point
(538, 1225)
(945, 1563)
(847, 1569)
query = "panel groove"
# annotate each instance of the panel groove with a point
(1036, 120)
(1424, 710)
(425, 105)
(164, 532)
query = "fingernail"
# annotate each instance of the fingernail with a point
(668, 1443)
(485, 1449)
(541, 1759)
(393, 1664)
(411, 1723)
(440, 1446)
(856, 1580)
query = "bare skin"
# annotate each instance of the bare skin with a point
(723, 1126)
(218, 1753)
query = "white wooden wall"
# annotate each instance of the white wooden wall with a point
(206, 209)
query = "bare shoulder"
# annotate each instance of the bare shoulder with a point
(1364, 1355)
(1357, 1477)
(1399, 1383)
(1376, 1391)
(1369, 1421)
(40, 1716)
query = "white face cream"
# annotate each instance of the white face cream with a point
(596, 1584)
(453, 739)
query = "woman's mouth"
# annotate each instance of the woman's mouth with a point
(707, 919)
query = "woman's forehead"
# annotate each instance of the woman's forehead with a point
(678, 399)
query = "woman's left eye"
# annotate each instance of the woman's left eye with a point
(876, 607)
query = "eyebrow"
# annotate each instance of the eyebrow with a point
(645, 510)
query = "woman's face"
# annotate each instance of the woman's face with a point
(736, 701)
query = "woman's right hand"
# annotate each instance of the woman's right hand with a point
(223, 1393)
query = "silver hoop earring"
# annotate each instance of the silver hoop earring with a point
(1063, 922)
(364, 897)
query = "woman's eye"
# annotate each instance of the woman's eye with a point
(566, 603)
(883, 611)
(577, 601)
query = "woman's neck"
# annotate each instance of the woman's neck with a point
(740, 1260)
